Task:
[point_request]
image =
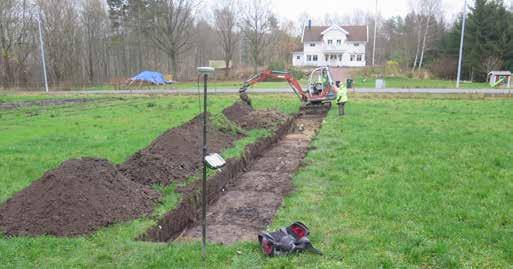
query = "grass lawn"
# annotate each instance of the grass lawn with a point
(419, 183)
(410, 83)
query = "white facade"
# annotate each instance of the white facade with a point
(332, 49)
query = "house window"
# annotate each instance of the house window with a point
(330, 42)
(352, 58)
(339, 42)
(359, 57)
(315, 58)
(309, 58)
(356, 44)
(326, 57)
(333, 57)
(298, 57)
(312, 44)
(340, 57)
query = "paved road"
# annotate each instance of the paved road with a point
(287, 90)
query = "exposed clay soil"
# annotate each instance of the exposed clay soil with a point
(46, 102)
(175, 155)
(249, 204)
(76, 198)
(248, 118)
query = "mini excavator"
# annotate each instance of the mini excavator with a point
(316, 98)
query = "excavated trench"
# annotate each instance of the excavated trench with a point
(245, 195)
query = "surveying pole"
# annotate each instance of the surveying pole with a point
(205, 71)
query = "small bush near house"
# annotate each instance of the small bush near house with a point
(392, 69)
(296, 72)
(444, 68)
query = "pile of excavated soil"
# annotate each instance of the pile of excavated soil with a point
(175, 155)
(248, 118)
(78, 197)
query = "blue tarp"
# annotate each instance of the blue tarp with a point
(151, 77)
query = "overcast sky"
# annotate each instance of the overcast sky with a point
(292, 9)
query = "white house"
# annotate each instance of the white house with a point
(332, 46)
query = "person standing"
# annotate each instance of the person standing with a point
(342, 99)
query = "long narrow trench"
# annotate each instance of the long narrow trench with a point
(248, 205)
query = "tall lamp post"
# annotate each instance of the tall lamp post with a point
(41, 42)
(375, 30)
(461, 44)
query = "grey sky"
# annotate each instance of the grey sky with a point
(292, 9)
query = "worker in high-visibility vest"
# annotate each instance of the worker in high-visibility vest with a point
(342, 99)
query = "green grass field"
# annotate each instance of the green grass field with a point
(410, 83)
(406, 183)
(360, 82)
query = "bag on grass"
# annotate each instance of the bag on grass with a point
(285, 241)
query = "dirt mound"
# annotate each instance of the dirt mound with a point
(77, 198)
(175, 155)
(248, 118)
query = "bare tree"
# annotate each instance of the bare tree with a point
(424, 10)
(225, 20)
(170, 26)
(430, 8)
(491, 63)
(62, 38)
(94, 20)
(15, 20)
(256, 25)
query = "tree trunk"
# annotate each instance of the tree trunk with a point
(90, 62)
(419, 37)
(172, 58)
(9, 77)
(227, 68)
(424, 42)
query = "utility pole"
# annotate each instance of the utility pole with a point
(461, 44)
(375, 29)
(41, 42)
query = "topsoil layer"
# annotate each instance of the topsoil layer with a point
(77, 198)
(248, 118)
(175, 155)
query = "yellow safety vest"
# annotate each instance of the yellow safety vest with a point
(342, 94)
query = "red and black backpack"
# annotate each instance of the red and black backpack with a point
(288, 240)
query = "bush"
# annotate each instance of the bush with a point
(296, 72)
(392, 69)
(444, 68)
(278, 66)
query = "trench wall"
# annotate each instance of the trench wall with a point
(188, 211)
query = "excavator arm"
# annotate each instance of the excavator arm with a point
(269, 74)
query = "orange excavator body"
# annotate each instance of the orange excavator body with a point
(317, 92)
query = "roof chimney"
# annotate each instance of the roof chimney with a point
(310, 24)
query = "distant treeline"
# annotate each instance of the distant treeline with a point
(91, 42)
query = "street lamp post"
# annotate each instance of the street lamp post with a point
(461, 44)
(41, 42)
(374, 41)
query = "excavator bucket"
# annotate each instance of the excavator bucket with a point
(316, 108)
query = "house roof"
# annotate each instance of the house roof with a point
(500, 73)
(356, 33)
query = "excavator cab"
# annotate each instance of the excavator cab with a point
(320, 83)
